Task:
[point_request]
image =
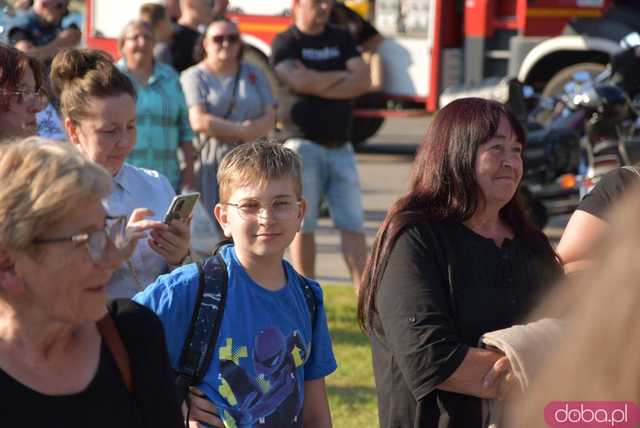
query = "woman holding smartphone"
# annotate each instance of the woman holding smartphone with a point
(98, 103)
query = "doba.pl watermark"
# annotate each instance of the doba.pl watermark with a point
(592, 414)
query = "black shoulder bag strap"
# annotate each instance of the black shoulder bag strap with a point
(234, 92)
(310, 298)
(205, 324)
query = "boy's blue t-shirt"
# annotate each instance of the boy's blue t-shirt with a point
(265, 350)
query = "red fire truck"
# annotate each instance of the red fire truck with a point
(432, 44)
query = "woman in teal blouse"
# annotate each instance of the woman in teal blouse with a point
(162, 116)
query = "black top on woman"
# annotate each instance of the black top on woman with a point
(456, 257)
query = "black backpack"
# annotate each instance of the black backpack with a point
(202, 336)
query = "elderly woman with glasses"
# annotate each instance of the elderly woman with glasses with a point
(230, 103)
(21, 96)
(162, 123)
(66, 359)
(99, 107)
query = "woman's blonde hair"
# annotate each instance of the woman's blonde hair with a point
(79, 75)
(134, 23)
(597, 359)
(42, 181)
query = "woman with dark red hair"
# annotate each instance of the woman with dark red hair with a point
(21, 94)
(456, 257)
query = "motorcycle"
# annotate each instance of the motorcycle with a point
(603, 111)
(550, 158)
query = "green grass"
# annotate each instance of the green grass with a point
(351, 390)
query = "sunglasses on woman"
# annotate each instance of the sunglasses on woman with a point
(230, 38)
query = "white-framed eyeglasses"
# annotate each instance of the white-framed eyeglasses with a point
(280, 208)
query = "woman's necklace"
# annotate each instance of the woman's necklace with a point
(135, 276)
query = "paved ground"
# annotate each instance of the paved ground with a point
(384, 166)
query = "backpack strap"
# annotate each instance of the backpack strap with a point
(206, 320)
(310, 298)
(205, 324)
(109, 333)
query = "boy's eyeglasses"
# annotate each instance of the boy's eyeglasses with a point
(97, 242)
(230, 38)
(281, 209)
(38, 98)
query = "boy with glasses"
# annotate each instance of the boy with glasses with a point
(271, 353)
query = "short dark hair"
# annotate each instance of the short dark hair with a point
(198, 50)
(152, 13)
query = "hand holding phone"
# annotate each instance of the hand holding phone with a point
(181, 207)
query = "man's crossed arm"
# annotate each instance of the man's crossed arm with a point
(347, 84)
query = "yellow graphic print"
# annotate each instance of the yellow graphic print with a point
(229, 422)
(228, 353)
(227, 393)
(265, 385)
(297, 358)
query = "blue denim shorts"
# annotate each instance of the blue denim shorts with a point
(332, 174)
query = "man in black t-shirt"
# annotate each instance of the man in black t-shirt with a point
(195, 15)
(367, 37)
(320, 72)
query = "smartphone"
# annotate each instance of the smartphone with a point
(181, 207)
